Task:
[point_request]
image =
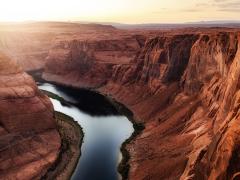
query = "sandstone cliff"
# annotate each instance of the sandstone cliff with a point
(28, 43)
(29, 141)
(183, 86)
(89, 63)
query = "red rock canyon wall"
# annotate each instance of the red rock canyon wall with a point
(184, 87)
(29, 141)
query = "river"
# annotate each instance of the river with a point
(104, 131)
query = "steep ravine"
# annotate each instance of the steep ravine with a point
(183, 87)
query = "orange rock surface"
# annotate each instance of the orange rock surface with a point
(29, 141)
(183, 86)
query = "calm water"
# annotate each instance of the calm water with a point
(104, 132)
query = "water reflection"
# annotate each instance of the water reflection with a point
(103, 136)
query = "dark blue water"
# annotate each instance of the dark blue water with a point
(104, 132)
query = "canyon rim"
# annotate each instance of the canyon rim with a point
(90, 99)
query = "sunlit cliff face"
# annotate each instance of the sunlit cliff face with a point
(124, 11)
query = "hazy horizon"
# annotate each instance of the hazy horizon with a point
(120, 11)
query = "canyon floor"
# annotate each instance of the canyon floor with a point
(182, 84)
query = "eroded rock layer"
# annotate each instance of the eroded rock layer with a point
(183, 86)
(89, 63)
(29, 141)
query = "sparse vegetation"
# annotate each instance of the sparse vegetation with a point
(53, 96)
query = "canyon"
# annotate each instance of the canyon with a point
(182, 84)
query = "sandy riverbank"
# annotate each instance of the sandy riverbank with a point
(72, 136)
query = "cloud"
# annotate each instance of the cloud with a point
(221, 0)
(190, 10)
(196, 8)
(202, 4)
(230, 9)
(220, 5)
(212, 5)
(227, 5)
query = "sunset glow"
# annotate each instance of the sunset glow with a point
(124, 11)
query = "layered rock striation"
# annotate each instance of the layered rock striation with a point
(183, 86)
(29, 141)
(89, 63)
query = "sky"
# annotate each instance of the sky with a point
(121, 11)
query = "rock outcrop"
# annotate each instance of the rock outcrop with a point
(29, 141)
(89, 63)
(183, 86)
